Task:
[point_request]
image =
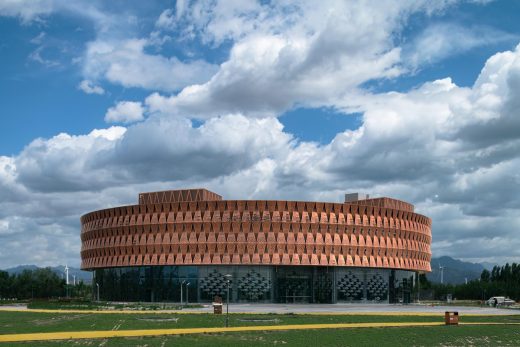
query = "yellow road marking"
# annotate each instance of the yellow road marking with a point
(153, 332)
(74, 335)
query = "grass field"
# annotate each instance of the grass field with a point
(31, 322)
(91, 305)
(380, 337)
(482, 335)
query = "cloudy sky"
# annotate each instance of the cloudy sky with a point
(417, 100)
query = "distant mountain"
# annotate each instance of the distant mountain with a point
(20, 268)
(81, 275)
(455, 271)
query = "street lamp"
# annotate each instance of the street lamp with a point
(418, 287)
(181, 290)
(187, 292)
(97, 285)
(228, 276)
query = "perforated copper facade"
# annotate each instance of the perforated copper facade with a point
(169, 230)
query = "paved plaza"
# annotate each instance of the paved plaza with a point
(357, 309)
(360, 309)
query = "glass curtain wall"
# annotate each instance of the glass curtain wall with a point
(304, 284)
(148, 283)
(263, 284)
(246, 283)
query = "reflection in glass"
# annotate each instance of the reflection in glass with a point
(256, 283)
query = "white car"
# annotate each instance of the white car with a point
(499, 301)
(508, 302)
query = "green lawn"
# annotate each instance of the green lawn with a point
(380, 337)
(31, 322)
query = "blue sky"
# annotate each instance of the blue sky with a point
(56, 104)
(101, 100)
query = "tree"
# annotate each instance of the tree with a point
(5, 285)
(495, 273)
(423, 281)
(29, 284)
(485, 276)
(47, 283)
(501, 281)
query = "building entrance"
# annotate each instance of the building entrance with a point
(294, 287)
(304, 285)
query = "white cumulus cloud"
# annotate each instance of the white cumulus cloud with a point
(125, 112)
(286, 55)
(450, 150)
(441, 40)
(90, 88)
(126, 63)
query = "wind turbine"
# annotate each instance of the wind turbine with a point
(66, 274)
(441, 269)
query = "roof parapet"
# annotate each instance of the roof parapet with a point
(181, 195)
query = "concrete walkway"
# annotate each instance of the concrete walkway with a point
(319, 309)
(378, 309)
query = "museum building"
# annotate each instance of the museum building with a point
(193, 242)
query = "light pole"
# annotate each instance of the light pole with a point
(97, 285)
(228, 276)
(181, 290)
(187, 292)
(418, 287)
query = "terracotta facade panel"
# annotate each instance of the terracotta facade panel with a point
(198, 227)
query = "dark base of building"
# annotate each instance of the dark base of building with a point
(255, 283)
